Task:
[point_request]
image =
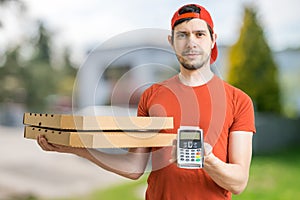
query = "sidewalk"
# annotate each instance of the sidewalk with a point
(27, 170)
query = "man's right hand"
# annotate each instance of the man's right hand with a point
(174, 152)
(46, 146)
(131, 165)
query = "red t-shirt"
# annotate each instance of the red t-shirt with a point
(216, 107)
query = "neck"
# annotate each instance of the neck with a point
(195, 77)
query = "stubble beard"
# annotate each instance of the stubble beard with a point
(193, 66)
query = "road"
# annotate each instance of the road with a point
(27, 170)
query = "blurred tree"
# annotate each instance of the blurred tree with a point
(11, 79)
(67, 74)
(40, 77)
(251, 65)
(33, 79)
(42, 43)
(62, 100)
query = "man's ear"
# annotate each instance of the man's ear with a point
(214, 40)
(170, 39)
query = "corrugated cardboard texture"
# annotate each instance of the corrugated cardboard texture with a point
(73, 122)
(101, 139)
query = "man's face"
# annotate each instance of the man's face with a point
(192, 44)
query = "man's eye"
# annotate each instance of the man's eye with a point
(200, 34)
(181, 35)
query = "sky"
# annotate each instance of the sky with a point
(82, 24)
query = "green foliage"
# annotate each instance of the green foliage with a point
(40, 76)
(252, 67)
(67, 75)
(11, 79)
(40, 83)
(43, 41)
(34, 81)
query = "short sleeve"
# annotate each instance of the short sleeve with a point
(243, 119)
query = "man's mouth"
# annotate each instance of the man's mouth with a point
(191, 53)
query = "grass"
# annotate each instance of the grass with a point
(129, 191)
(273, 177)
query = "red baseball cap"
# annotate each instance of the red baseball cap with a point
(204, 15)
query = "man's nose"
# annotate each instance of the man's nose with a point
(191, 42)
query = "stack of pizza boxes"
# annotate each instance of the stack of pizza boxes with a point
(99, 131)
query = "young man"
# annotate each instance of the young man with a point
(194, 97)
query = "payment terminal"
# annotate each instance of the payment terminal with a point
(190, 148)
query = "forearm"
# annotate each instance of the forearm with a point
(130, 165)
(232, 177)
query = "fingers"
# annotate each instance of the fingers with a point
(174, 142)
(207, 149)
(43, 143)
(46, 146)
(174, 152)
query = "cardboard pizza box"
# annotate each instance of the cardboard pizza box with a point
(77, 122)
(107, 139)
